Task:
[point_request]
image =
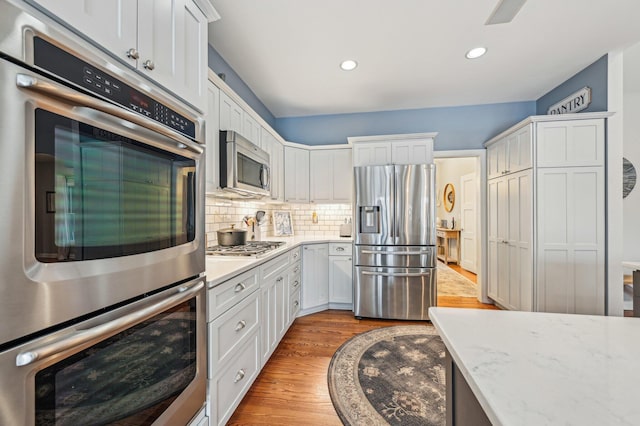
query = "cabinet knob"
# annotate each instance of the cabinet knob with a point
(239, 376)
(279, 279)
(133, 53)
(296, 303)
(295, 270)
(295, 284)
(148, 64)
(241, 324)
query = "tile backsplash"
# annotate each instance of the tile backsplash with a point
(222, 213)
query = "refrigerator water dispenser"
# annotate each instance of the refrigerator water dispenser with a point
(370, 219)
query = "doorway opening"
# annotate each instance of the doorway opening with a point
(461, 214)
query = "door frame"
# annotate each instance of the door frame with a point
(481, 206)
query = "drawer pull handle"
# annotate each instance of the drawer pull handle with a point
(295, 255)
(339, 248)
(296, 303)
(296, 283)
(239, 287)
(239, 376)
(295, 270)
(242, 324)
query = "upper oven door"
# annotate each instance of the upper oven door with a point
(101, 204)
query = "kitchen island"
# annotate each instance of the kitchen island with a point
(524, 368)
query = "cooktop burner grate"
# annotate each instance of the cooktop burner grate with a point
(252, 248)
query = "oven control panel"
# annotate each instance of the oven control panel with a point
(71, 68)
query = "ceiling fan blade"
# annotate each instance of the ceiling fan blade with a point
(505, 11)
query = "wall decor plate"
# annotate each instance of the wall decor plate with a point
(628, 177)
(282, 224)
(449, 197)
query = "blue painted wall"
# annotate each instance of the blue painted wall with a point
(463, 127)
(594, 76)
(219, 65)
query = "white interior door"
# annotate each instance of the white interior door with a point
(468, 222)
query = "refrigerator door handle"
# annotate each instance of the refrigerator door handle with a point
(410, 253)
(387, 274)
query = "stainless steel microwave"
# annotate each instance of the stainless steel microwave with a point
(244, 167)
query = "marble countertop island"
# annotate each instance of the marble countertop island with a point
(537, 369)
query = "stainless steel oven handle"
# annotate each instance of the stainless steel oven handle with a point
(411, 253)
(386, 274)
(59, 91)
(183, 293)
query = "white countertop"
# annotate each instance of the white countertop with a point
(546, 369)
(221, 268)
(631, 264)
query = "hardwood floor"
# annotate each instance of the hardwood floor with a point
(292, 387)
(469, 275)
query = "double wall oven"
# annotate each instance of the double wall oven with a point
(102, 288)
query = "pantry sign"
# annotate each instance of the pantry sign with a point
(573, 103)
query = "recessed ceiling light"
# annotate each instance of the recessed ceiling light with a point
(348, 65)
(476, 52)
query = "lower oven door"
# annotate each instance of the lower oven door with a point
(394, 293)
(143, 363)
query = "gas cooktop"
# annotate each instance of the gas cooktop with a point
(252, 248)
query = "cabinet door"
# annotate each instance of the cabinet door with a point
(321, 176)
(570, 245)
(252, 130)
(268, 327)
(519, 150)
(340, 279)
(110, 24)
(342, 176)
(213, 138)
(371, 153)
(172, 41)
(497, 159)
(296, 174)
(497, 235)
(570, 143)
(277, 170)
(412, 152)
(315, 280)
(519, 241)
(230, 114)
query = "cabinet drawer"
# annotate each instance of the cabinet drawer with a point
(295, 254)
(275, 266)
(221, 297)
(230, 331)
(231, 384)
(294, 305)
(340, 249)
(295, 278)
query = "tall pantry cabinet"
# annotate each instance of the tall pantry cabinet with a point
(546, 211)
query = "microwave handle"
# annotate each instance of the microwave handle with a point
(265, 176)
(62, 92)
(79, 337)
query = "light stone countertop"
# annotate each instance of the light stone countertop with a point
(546, 369)
(222, 268)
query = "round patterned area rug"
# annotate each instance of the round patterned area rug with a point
(390, 376)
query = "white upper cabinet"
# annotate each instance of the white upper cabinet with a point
(252, 130)
(415, 148)
(276, 157)
(562, 143)
(296, 175)
(510, 154)
(166, 40)
(231, 115)
(212, 118)
(331, 176)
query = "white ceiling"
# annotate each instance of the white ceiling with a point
(411, 52)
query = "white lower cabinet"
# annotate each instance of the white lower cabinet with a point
(315, 278)
(274, 302)
(340, 276)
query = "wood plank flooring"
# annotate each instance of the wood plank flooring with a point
(292, 387)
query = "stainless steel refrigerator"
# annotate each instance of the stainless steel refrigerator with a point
(395, 253)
